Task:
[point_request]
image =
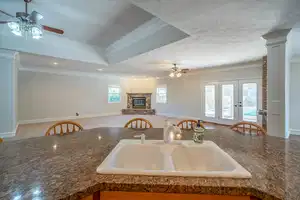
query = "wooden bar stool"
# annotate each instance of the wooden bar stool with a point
(188, 124)
(138, 123)
(248, 128)
(64, 127)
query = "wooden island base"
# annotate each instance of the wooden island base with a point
(161, 196)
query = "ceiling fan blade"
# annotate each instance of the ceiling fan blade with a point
(54, 30)
(4, 22)
(35, 16)
(184, 70)
(5, 13)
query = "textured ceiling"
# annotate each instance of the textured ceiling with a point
(220, 31)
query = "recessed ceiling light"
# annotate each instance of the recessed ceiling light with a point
(55, 63)
(99, 70)
(157, 77)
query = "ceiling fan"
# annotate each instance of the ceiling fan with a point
(28, 24)
(177, 72)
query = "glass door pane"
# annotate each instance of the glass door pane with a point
(227, 101)
(249, 102)
(210, 101)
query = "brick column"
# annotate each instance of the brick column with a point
(265, 83)
(264, 89)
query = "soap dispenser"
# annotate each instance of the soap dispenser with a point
(198, 133)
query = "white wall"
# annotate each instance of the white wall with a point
(294, 98)
(47, 96)
(44, 96)
(132, 85)
(8, 82)
(17, 65)
(294, 41)
(185, 96)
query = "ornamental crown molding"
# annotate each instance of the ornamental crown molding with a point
(66, 72)
(276, 37)
(9, 54)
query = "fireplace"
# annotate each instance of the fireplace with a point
(139, 102)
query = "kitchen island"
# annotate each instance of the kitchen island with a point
(64, 167)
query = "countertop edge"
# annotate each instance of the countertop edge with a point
(177, 189)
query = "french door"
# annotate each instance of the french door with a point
(232, 101)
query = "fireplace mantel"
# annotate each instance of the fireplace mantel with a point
(130, 93)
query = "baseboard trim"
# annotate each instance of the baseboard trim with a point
(34, 121)
(10, 134)
(294, 131)
(176, 116)
(7, 135)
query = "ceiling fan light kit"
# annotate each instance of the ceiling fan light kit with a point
(178, 75)
(26, 29)
(176, 72)
(27, 25)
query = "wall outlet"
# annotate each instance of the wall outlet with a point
(77, 114)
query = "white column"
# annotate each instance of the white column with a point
(8, 90)
(278, 83)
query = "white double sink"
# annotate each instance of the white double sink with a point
(181, 158)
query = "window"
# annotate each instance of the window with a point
(249, 102)
(161, 94)
(210, 101)
(228, 101)
(114, 94)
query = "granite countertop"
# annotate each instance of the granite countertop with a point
(35, 169)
